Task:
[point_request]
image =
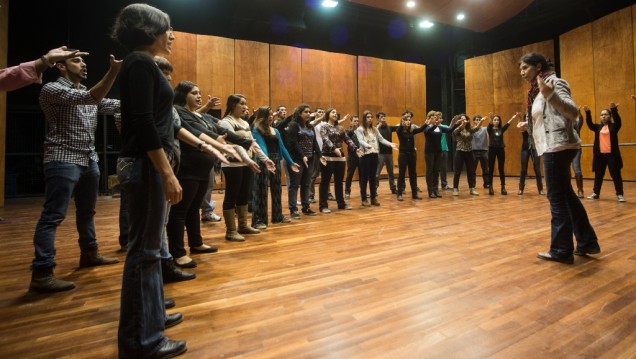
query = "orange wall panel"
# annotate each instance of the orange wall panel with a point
(393, 87)
(285, 76)
(215, 67)
(183, 58)
(251, 72)
(343, 84)
(370, 95)
(316, 79)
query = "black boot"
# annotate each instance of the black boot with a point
(92, 258)
(171, 273)
(43, 280)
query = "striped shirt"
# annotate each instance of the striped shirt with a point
(71, 114)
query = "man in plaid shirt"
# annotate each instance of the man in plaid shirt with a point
(70, 166)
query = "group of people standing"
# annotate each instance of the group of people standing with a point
(170, 145)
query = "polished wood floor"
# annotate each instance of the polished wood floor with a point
(455, 277)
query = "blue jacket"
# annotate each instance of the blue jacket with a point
(261, 142)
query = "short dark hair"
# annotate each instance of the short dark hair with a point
(181, 92)
(163, 64)
(380, 113)
(535, 59)
(139, 25)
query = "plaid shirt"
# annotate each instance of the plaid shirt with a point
(72, 117)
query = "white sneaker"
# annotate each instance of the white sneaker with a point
(455, 192)
(592, 196)
(621, 198)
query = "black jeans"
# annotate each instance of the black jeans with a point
(337, 169)
(353, 163)
(238, 185)
(186, 213)
(481, 157)
(603, 161)
(433, 161)
(302, 180)
(368, 166)
(462, 158)
(498, 153)
(536, 164)
(407, 161)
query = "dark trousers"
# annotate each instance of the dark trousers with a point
(337, 169)
(186, 213)
(432, 169)
(385, 159)
(443, 165)
(568, 214)
(237, 188)
(259, 208)
(142, 312)
(407, 161)
(353, 163)
(499, 154)
(464, 158)
(604, 161)
(481, 158)
(368, 166)
(536, 164)
(302, 180)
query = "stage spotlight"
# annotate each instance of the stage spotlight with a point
(329, 3)
(426, 24)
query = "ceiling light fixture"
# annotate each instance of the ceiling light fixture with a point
(461, 16)
(426, 24)
(329, 3)
(410, 4)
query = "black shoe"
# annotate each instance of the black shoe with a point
(432, 195)
(375, 202)
(295, 215)
(170, 273)
(123, 249)
(312, 200)
(416, 196)
(548, 257)
(169, 303)
(437, 194)
(173, 319)
(491, 191)
(170, 349)
(393, 191)
(210, 249)
(309, 212)
(579, 252)
(92, 258)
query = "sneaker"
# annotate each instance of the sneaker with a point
(312, 200)
(473, 192)
(455, 192)
(210, 217)
(621, 198)
(259, 225)
(374, 202)
(185, 262)
(593, 196)
(400, 198)
(346, 206)
(309, 212)
(331, 197)
(295, 215)
(366, 203)
(347, 195)
(541, 192)
(325, 210)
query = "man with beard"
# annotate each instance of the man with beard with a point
(70, 166)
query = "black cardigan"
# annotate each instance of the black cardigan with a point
(613, 130)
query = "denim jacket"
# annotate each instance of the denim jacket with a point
(553, 127)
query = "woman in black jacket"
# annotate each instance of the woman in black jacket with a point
(606, 151)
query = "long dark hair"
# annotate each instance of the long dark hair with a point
(232, 101)
(296, 116)
(139, 25)
(181, 92)
(260, 120)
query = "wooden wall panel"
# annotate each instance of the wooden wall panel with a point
(285, 76)
(316, 78)
(508, 100)
(393, 87)
(215, 67)
(613, 72)
(343, 84)
(576, 59)
(415, 100)
(184, 58)
(479, 85)
(370, 95)
(251, 72)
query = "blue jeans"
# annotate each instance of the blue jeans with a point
(142, 315)
(64, 180)
(568, 214)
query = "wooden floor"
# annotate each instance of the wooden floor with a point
(455, 277)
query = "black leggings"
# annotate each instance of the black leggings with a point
(238, 181)
(462, 158)
(498, 153)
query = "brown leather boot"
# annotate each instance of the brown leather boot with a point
(579, 186)
(92, 258)
(230, 224)
(43, 280)
(243, 227)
